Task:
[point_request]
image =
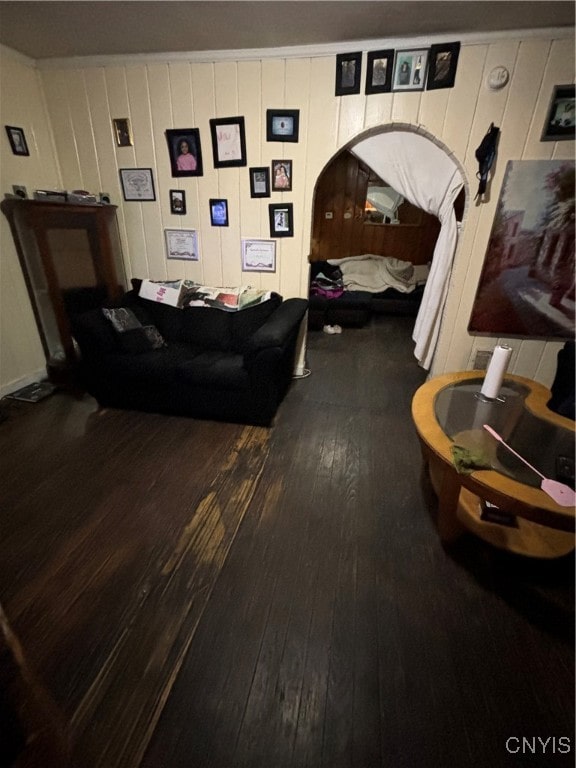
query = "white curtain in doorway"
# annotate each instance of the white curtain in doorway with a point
(428, 177)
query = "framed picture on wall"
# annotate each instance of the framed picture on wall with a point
(185, 151)
(228, 142)
(258, 255)
(260, 182)
(178, 201)
(526, 287)
(379, 71)
(410, 70)
(281, 220)
(442, 67)
(560, 123)
(219, 213)
(17, 140)
(348, 72)
(182, 244)
(281, 175)
(137, 184)
(122, 132)
(282, 124)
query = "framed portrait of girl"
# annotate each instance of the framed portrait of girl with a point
(185, 151)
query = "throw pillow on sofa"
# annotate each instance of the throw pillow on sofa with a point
(133, 336)
(122, 319)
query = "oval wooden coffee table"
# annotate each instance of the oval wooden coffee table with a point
(535, 524)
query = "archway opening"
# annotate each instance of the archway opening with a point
(412, 171)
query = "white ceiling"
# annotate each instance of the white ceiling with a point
(47, 29)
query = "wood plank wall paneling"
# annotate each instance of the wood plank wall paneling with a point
(341, 191)
(559, 69)
(520, 111)
(294, 268)
(251, 212)
(204, 187)
(183, 101)
(155, 94)
(378, 110)
(23, 104)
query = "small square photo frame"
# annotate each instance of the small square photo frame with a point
(281, 175)
(122, 132)
(443, 63)
(185, 151)
(379, 70)
(410, 69)
(228, 142)
(260, 182)
(348, 73)
(560, 118)
(182, 244)
(178, 201)
(17, 140)
(281, 217)
(258, 255)
(282, 124)
(137, 184)
(219, 213)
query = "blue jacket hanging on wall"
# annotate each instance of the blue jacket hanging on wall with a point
(485, 154)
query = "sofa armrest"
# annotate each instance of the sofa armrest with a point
(279, 328)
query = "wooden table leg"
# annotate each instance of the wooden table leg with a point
(449, 526)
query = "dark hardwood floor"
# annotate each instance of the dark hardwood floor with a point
(195, 594)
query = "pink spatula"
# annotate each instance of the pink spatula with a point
(561, 493)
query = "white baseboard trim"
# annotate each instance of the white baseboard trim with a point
(23, 381)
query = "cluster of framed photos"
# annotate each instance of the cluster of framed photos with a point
(228, 151)
(218, 207)
(228, 141)
(414, 69)
(228, 147)
(138, 185)
(277, 178)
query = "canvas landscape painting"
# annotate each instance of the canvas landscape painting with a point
(526, 287)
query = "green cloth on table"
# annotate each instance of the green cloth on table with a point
(467, 461)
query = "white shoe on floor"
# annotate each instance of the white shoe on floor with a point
(331, 329)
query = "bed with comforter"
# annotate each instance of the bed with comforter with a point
(348, 291)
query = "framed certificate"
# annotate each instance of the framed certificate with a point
(137, 184)
(182, 244)
(258, 256)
